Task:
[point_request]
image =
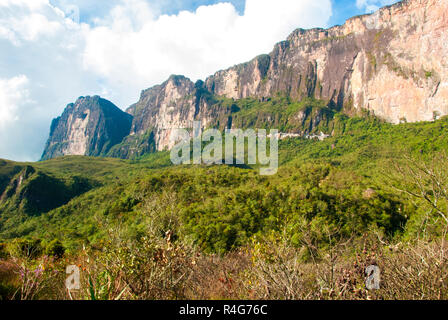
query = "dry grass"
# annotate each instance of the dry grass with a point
(270, 270)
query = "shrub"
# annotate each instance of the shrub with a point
(3, 252)
(26, 248)
(8, 275)
(55, 249)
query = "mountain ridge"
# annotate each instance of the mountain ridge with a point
(391, 64)
(90, 126)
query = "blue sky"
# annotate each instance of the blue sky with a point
(49, 57)
(342, 9)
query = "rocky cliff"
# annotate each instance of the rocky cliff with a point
(175, 104)
(392, 63)
(90, 126)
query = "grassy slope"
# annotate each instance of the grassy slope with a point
(222, 207)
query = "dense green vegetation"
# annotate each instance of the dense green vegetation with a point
(219, 208)
(279, 112)
(371, 193)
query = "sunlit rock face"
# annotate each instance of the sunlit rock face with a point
(175, 104)
(392, 63)
(90, 126)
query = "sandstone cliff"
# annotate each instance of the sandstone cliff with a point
(392, 63)
(90, 126)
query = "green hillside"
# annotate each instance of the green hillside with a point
(77, 199)
(372, 193)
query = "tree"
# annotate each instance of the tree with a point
(425, 182)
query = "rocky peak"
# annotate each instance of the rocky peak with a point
(90, 126)
(392, 63)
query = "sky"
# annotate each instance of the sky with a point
(53, 51)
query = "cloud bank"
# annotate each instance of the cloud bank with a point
(47, 60)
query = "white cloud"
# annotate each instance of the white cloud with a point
(145, 50)
(128, 49)
(47, 49)
(370, 6)
(13, 94)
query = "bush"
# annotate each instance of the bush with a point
(147, 269)
(55, 249)
(26, 248)
(3, 252)
(8, 276)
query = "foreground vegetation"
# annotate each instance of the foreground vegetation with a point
(269, 269)
(372, 194)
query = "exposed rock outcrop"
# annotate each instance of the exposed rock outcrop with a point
(90, 126)
(392, 63)
(174, 104)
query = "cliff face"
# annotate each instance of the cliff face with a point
(174, 104)
(392, 63)
(90, 126)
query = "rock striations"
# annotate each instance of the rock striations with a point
(393, 63)
(90, 126)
